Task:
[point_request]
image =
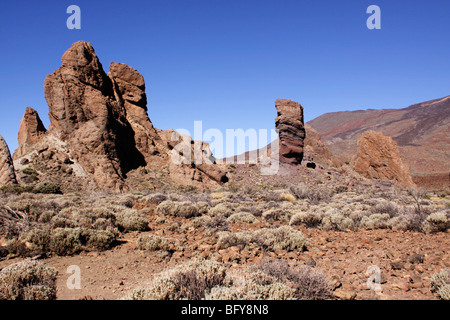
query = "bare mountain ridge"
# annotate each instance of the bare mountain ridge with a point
(420, 130)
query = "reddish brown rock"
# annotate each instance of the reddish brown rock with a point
(7, 174)
(378, 157)
(315, 150)
(290, 125)
(30, 132)
(85, 114)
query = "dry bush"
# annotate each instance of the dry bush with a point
(335, 220)
(242, 217)
(440, 283)
(308, 219)
(221, 210)
(216, 223)
(287, 197)
(309, 284)
(178, 209)
(131, 220)
(156, 198)
(281, 238)
(376, 221)
(153, 243)
(436, 222)
(277, 215)
(192, 280)
(386, 207)
(28, 280)
(314, 194)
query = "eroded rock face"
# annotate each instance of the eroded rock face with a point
(290, 125)
(30, 132)
(100, 130)
(85, 113)
(378, 157)
(315, 150)
(7, 174)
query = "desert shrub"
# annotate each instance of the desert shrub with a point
(29, 171)
(435, 222)
(309, 219)
(192, 281)
(203, 207)
(309, 283)
(386, 207)
(38, 238)
(287, 197)
(254, 286)
(314, 194)
(275, 214)
(242, 217)
(153, 243)
(98, 239)
(29, 280)
(178, 209)
(130, 220)
(281, 238)
(66, 241)
(440, 283)
(221, 210)
(401, 222)
(376, 221)
(215, 223)
(335, 220)
(155, 198)
(47, 188)
(16, 189)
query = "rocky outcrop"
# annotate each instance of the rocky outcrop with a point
(85, 114)
(315, 150)
(30, 132)
(290, 125)
(378, 157)
(100, 130)
(7, 175)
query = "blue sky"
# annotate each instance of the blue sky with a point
(225, 62)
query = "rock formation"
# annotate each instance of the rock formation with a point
(30, 132)
(291, 130)
(378, 157)
(100, 127)
(7, 175)
(315, 150)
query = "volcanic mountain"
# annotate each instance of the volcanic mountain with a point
(420, 130)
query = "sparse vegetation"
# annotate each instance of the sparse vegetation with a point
(28, 280)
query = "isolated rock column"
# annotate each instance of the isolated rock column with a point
(291, 130)
(30, 132)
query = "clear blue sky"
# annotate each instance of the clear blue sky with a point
(226, 61)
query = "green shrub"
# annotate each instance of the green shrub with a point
(66, 241)
(47, 188)
(29, 280)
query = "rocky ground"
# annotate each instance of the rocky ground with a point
(345, 236)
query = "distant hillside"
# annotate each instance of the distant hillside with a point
(421, 131)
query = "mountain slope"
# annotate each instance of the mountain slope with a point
(421, 131)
